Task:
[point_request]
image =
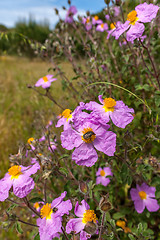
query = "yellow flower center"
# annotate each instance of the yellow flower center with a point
(121, 224)
(132, 17)
(30, 140)
(109, 104)
(88, 135)
(15, 171)
(89, 216)
(87, 20)
(36, 205)
(112, 26)
(66, 114)
(142, 195)
(102, 25)
(96, 18)
(45, 79)
(102, 173)
(46, 211)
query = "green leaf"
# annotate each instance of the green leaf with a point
(64, 156)
(64, 171)
(118, 215)
(37, 237)
(18, 227)
(131, 237)
(12, 207)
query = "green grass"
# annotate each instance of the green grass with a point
(20, 106)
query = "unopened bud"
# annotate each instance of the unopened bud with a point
(118, 2)
(104, 204)
(56, 11)
(64, 8)
(69, 2)
(107, 1)
(91, 228)
(83, 187)
(88, 13)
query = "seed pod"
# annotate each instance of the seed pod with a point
(56, 11)
(83, 187)
(107, 1)
(118, 2)
(104, 204)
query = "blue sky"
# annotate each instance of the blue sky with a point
(13, 10)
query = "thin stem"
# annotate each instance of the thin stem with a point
(102, 224)
(64, 234)
(27, 223)
(45, 192)
(30, 207)
(156, 75)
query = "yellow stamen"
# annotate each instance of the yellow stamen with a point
(89, 216)
(132, 17)
(14, 171)
(36, 205)
(102, 173)
(96, 18)
(67, 114)
(30, 140)
(46, 211)
(88, 135)
(142, 195)
(121, 224)
(102, 25)
(127, 229)
(87, 20)
(109, 104)
(45, 79)
(112, 26)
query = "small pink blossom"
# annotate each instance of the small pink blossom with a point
(45, 82)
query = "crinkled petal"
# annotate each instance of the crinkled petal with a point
(134, 194)
(85, 155)
(63, 208)
(98, 172)
(81, 208)
(121, 118)
(135, 31)
(146, 12)
(121, 29)
(102, 180)
(58, 200)
(32, 169)
(70, 139)
(108, 171)
(39, 82)
(23, 189)
(75, 225)
(152, 205)
(84, 235)
(106, 143)
(5, 185)
(139, 205)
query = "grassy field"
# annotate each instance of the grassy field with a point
(21, 108)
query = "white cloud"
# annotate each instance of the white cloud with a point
(10, 17)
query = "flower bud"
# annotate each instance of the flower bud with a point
(91, 227)
(69, 2)
(56, 11)
(107, 1)
(83, 187)
(64, 8)
(118, 2)
(104, 204)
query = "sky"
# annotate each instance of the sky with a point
(11, 11)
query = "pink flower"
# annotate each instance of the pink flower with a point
(102, 27)
(143, 13)
(87, 22)
(144, 196)
(102, 174)
(18, 176)
(96, 20)
(50, 223)
(109, 108)
(84, 215)
(45, 81)
(70, 13)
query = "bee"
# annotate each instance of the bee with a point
(88, 135)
